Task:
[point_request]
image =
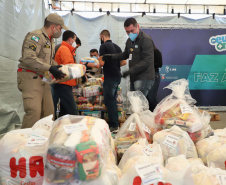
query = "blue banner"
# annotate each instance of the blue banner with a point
(197, 55)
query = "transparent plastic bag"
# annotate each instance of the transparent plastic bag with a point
(137, 125)
(205, 146)
(176, 109)
(206, 129)
(78, 150)
(143, 172)
(203, 175)
(23, 154)
(220, 132)
(175, 141)
(141, 149)
(94, 90)
(217, 158)
(178, 171)
(71, 71)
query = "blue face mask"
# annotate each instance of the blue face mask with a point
(133, 36)
(94, 57)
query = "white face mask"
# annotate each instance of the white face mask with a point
(74, 44)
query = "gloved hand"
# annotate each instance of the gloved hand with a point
(56, 72)
(85, 64)
(84, 79)
(107, 57)
(125, 74)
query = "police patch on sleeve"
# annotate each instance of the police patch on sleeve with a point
(35, 38)
(33, 47)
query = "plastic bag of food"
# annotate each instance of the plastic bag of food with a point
(147, 119)
(176, 109)
(178, 171)
(206, 129)
(94, 81)
(218, 176)
(143, 172)
(23, 154)
(203, 175)
(141, 149)
(133, 129)
(139, 125)
(94, 90)
(220, 132)
(71, 71)
(217, 158)
(111, 177)
(77, 90)
(175, 141)
(205, 146)
(78, 149)
(195, 161)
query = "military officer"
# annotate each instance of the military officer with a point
(37, 58)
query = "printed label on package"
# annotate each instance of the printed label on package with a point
(171, 141)
(149, 173)
(75, 128)
(185, 108)
(221, 179)
(148, 150)
(146, 129)
(132, 126)
(35, 140)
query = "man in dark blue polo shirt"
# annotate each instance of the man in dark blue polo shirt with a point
(112, 77)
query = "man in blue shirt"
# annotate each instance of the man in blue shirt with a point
(112, 77)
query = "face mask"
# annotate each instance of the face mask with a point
(101, 41)
(57, 34)
(133, 36)
(94, 57)
(74, 44)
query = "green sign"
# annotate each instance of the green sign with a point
(208, 72)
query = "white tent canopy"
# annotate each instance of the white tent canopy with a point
(157, 6)
(18, 17)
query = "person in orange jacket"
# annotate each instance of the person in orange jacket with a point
(63, 91)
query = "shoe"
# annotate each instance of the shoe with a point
(113, 129)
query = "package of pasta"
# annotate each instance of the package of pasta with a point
(78, 150)
(71, 71)
(177, 109)
(207, 145)
(94, 90)
(94, 81)
(23, 153)
(175, 141)
(133, 128)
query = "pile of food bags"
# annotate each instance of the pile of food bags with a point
(71, 71)
(23, 154)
